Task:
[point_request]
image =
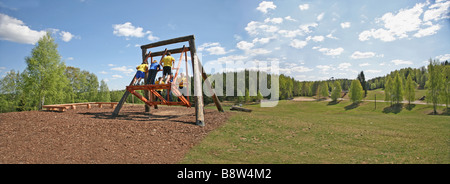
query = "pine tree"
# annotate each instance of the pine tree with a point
(356, 92)
(410, 89)
(336, 93)
(44, 79)
(362, 80)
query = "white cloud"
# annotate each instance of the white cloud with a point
(265, 6)
(290, 18)
(128, 30)
(103, 72)
(372, 71)
(123, 69)
(298, 44)
(401, 62)
(209, 44)
(345, 25)
(428, 31)
(117, 77)
(214, 48)
(217, 50)
(244, 45)
(301, 69)
(15, 30)
(258, 51)
(324, 68)
(306, 27)
(316, 38)
(406, 21)
(255, 28)
(274, 20)
(331, 36)
(320, 16)
(66, 36)
(437, 11)
(364, 64)
(330, 52)
(445, 57)
(290, 34)
(303, 7)
(362, 55)
(381, 34)
(343, 66)
(263, 40)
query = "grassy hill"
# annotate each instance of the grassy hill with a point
(322, 132)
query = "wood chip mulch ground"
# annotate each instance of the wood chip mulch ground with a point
(85, 136)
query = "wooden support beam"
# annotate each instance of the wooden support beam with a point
(214, 96)
(122, 100)
(167, 42)
(173, 51)
(146, 92)
(198, 93)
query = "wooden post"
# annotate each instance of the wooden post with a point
(146, 92)
(198, 92)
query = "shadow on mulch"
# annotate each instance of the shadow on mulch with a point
(138, 116)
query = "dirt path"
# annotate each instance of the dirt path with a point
(90, 136)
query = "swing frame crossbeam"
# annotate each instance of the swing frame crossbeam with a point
(150, 93)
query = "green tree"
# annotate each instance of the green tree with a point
(247, 96)
(388, 86)
(104, 94)
(10, 91)
(397, 89)
(445, 97)
(362, 80)
(336, 93)
(434, 84)
(44, 79)
(259, 96)
(356, 92)
(410, 89)
(323, 90)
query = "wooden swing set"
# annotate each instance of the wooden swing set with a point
(150, 90)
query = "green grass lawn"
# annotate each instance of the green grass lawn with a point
(320, 132)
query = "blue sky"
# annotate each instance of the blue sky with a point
(309, 40)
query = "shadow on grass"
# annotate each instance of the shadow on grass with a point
(396, 108)
(352, 106)
(445, 112)
(334, 102)
(409, 107)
